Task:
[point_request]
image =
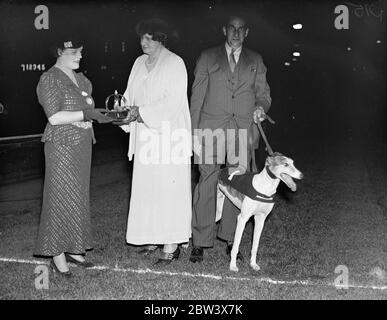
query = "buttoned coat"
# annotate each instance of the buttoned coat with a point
(219, 95)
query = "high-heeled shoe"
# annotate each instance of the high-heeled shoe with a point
(55, 269)
(83, 264)
(167, 257)
(148, 250)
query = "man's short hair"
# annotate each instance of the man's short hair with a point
(230, 17)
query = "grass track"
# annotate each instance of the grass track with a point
(335, 218)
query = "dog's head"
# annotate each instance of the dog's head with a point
(283, 168)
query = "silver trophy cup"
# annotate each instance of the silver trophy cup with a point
(116, 106)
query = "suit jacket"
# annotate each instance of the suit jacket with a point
(218, 95)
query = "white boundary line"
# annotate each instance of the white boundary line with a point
(202, 275)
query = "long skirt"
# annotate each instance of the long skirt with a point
(65, 224)
(160, 208)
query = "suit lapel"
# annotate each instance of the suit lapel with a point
(243, 66)
(245, 63)
(222, 61)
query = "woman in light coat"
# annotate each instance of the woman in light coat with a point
(160, 139)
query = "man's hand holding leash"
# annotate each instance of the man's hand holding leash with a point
(260, 115)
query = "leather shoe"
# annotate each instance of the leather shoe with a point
(228, 252)
(148, 250)
(196, 254)
(83, 264)
(168, 257)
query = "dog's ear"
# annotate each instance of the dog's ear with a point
(277, 154)
(274, 159)
(269, 160)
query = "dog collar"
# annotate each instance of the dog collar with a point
(262, 197)
(271, 174)
(265, 200)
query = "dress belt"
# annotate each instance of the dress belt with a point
(86, 125)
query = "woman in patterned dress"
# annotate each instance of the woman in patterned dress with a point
(65, 229)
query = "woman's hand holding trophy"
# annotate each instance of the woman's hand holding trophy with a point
(118, 109)
(133, 115)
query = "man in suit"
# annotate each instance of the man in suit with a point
(229, 92)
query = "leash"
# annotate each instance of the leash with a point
(268, 148)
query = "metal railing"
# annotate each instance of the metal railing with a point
(12, 138)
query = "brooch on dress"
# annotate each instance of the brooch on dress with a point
(88, 99)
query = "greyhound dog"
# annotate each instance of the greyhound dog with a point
(253, 194)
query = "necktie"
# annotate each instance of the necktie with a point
(232, 60)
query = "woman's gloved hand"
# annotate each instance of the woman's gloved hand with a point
(90, 114)
(133, 115)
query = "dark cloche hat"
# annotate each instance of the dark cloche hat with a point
(63, 42)
(67, 40)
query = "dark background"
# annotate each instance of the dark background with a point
(316, 96)
(330, 112)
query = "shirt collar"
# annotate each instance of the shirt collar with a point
(228, 49)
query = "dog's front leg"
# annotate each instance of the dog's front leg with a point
(237, 240)
(243, 217)
(259, 220)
